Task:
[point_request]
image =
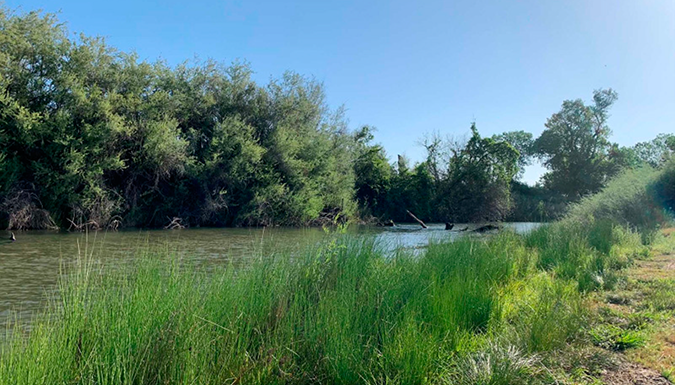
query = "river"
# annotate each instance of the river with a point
(29, 267)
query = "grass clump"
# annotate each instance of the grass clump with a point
(543, 313)
(496, 364)
(615, 338)
(573, 251)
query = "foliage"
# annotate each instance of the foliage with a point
(654, 153)
(373, 173)
(631, 199)
(457, 181)
(91, 137)
(663, 189)
(535, 203)
(615, 338)
(94, 134)
(521, 141)
(479, 177)
(575, 146)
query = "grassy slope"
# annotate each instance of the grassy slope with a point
(506, 310)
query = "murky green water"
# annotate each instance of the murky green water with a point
(29, 267)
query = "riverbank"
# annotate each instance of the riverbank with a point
(31, 265)
(506, 309)
(344, 312)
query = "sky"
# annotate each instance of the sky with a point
(411, 68)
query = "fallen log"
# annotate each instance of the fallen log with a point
(416, 219)
(485, 228)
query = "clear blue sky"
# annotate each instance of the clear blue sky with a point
(409, 67)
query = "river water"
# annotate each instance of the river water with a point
(29, 267)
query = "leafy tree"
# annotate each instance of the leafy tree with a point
(479, 177)
(373, 173)
(521, 141)
(92, 137)
(655, 152)
(90, 134)
(437, 156)
(575, 146)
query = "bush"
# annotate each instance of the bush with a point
(664, 187)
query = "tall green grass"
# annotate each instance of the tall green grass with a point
(604, 232)
(641, 199)
(590, 254)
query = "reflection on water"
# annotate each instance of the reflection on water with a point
(29, 267)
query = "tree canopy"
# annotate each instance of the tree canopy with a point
(575, 145)
(91, 137)
(89, 133)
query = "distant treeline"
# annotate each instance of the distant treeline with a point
(91, 137)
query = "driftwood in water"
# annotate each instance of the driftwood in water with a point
(91, 225)
(449, 226)
(416, 219)
(485, 228)
(25, 211)
(175, 224)
(115, 223)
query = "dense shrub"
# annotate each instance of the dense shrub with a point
(92, 137)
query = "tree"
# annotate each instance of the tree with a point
(521, 141)
(575, 146)
(655, 152)
(88, 134)
(373, 173)
(478, 185)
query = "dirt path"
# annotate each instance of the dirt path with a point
(648, 296)
(629, 373)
